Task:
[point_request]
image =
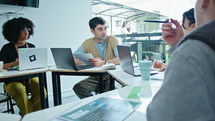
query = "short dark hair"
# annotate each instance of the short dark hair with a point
(190, 16)
(12, 28)
(95, 21)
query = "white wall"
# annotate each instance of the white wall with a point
(59, 23)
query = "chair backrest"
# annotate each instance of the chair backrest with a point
(4, 98)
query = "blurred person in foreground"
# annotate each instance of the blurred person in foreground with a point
(187, 92)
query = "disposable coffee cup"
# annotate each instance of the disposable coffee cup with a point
(146, 91)
(145, 69)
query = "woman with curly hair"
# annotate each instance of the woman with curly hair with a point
(17, 31)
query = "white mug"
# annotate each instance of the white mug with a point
(1, 65)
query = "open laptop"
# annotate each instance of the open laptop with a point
(64, 59)
(126, 60)
(31, 58)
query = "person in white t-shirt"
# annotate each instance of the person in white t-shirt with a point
(126, 27)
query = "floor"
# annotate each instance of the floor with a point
(67, 99)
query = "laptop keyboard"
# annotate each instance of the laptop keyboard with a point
(84, 67)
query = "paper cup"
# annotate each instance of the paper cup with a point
(145, 69)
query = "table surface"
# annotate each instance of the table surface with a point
(126, 79)
(145, 96)
(26, 74)
(10, 117)
(94, 69)
(14, 73)
(148, 90)
(56, 82)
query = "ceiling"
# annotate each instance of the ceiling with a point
(112, 9)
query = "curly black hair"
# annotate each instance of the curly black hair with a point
(12, 28)
(190, 16)
(95, 21)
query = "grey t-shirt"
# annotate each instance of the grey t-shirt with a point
(101, 47)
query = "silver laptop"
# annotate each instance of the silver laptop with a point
(31, 58)
(64, 59)
(126, 60)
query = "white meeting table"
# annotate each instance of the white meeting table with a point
(145, 97)
(19, 75)
(56, 82)
(126, 79)
(147, 92)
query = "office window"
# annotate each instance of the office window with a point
(115, 12)
(118, 23)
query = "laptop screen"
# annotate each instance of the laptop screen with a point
(63, 58)
(125, 59)
(30, 58)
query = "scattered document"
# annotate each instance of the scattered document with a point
(159, 76)
(84, 58)
(134, 92)
(109, 66)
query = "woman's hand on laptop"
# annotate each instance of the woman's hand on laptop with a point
(16, 62)
(97, 62)
(11, 64)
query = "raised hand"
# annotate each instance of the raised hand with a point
(171, 35)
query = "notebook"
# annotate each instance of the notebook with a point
(126, 60)
(31, 58)
(64, 59)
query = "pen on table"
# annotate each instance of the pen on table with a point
(152, 21)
